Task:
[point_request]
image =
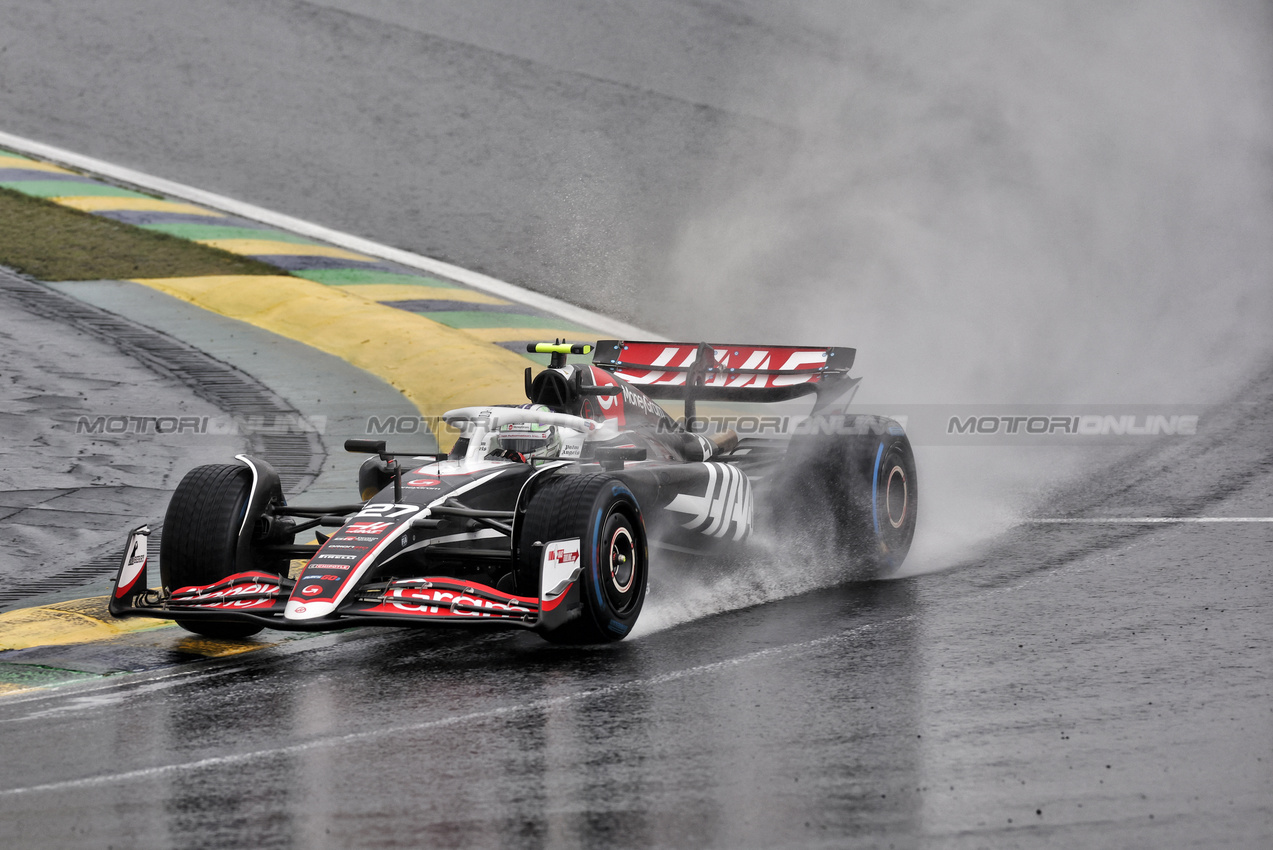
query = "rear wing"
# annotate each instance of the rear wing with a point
(695, 371)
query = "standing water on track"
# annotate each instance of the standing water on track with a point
(1005, 204)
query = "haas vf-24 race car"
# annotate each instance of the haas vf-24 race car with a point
(546, 516)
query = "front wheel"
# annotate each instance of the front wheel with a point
(603, 515)
(200, 543)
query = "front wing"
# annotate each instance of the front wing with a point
(262, 598)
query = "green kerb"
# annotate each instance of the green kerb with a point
(68, 189)
(352, 277)
(221, 231)
(486, 319)
(29, 675)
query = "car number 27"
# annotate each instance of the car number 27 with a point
(388, 511)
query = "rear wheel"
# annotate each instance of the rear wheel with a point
(891, 497)
(614, 563)
(854, 494)
(201, 539)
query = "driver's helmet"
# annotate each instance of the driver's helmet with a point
(531, 440)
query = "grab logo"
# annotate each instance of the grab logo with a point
(450, 603)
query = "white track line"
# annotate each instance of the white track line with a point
(1147, 520)
(464, 719)
(494, 286)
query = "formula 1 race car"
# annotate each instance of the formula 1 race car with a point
(546, 516)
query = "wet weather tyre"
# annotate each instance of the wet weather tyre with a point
(853, 495)
(888, 496)
(201, 539)
(614, 560)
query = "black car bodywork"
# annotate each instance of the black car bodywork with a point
(559, 545)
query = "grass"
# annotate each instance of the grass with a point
(51, 242)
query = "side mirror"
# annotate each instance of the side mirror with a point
(612, 458)
(367, 447)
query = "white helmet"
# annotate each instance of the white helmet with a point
(531, 440)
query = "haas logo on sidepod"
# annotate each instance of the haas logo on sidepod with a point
(725, 505)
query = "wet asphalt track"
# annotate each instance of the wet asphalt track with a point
(1070, 686)
(1067, 686)
(1075, 687)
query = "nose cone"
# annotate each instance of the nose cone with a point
(299, 609)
